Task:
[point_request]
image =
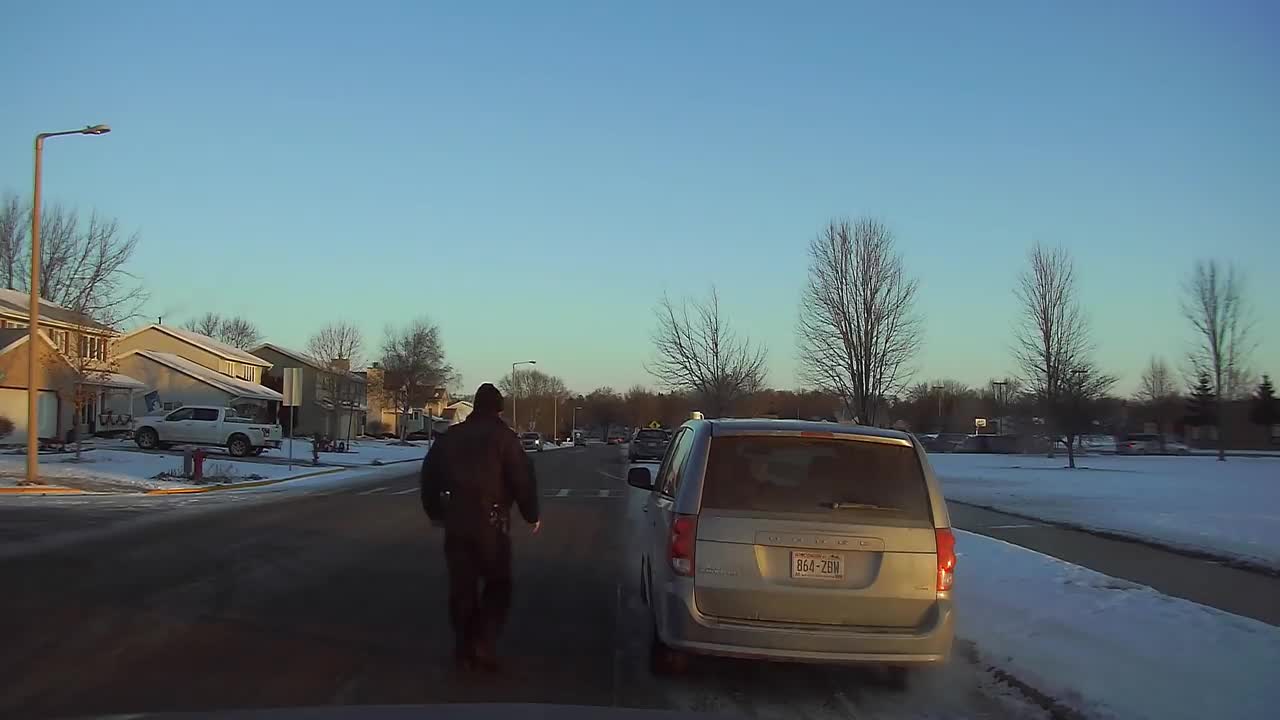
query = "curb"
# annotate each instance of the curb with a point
(243, 485)
(42, 490)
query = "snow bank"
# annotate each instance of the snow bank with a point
(120, 470)
(1108, 646)
(361, 452)
(1229, 509)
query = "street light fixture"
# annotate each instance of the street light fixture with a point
(515, 390)
(33, 327)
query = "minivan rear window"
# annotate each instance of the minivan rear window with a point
(770, 473)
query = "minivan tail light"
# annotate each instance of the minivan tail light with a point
(946, 558)
(680, 544)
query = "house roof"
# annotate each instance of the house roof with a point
(115, 380)
(304, 359)
(206, 343)
(13, 338)
(460, 403)
(19, 302)
(232, 386)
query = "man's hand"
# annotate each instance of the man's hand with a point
(534, 528)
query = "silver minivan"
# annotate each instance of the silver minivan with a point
(798, 541)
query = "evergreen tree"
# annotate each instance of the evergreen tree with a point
(1264, 408)
(1200, 406)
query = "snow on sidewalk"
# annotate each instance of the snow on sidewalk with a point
(1110, 647)
(103, 470)
(362, 451)
(1229, 509)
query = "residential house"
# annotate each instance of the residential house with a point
(182, 367)
(457, 412)
(333, 397)
(383, 416)
(83, 346)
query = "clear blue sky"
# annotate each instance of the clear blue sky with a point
(532, 176)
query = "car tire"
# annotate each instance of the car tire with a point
(665, 660)
(238, 446)
(147, 439)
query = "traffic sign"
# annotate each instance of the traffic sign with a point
(655, 425)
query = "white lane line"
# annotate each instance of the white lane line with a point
(405, 491)
(1011, 527)
(602, 493)
(372, 492)
(611, 476)
(562, 492)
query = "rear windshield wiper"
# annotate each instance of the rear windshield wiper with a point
(858, 506)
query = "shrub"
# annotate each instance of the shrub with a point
(6, 426)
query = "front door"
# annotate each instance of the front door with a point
(89, 415)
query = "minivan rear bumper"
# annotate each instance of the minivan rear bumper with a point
(688, 629)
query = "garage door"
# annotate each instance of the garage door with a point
(13, 405)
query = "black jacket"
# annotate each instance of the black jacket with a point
(479, 463)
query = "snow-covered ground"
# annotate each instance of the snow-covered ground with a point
(1229, 509)
(1108, 647)
(364, 451)
(123, 471)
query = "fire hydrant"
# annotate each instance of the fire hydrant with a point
(197, 465)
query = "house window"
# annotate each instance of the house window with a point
(244, 372)
(93, 348)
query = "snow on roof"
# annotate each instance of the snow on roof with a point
(204, 342)
(303, 358)
(233, 386)
(115, 380)
(19, 302)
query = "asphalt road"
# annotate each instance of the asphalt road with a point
(336, 596)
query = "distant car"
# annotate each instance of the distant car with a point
(792, 540)
(1000, 444)
(617, 439)
(531, 441)
(418, 435)
(942, 442)
(649, 445)
(1100, 444)
(579, 440)
(1149, 444)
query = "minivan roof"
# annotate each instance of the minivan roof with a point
(749, 425)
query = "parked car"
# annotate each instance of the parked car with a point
(649, 445)
(795, 540)
(1002, 444)
(579, 440)
(942, 442)
(206, 425)
(418, 435)
(1098, 444)
(1149, 444)
(617, 439)
(531, 441)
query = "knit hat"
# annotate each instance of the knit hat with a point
(488, 399)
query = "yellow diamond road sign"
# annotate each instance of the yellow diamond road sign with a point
(655, 425)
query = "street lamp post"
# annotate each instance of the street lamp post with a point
(515, 390)
(941, 427)
(33, 352)
(574, 428)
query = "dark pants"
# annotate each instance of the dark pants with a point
(479, 591)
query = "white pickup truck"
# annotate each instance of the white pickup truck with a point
(206, 425)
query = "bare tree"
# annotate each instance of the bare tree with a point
(209, 324)
(413, 365)
(83, 264)
(697, 351)
(535, 395)
(1157, 390)
(1053, 347)
(235, 331)
(858, 328)
(603, 409)
(337, 348)
(14, 218)
(1213, 302)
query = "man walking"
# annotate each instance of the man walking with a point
(470, 478)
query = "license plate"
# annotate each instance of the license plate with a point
(824, 566)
